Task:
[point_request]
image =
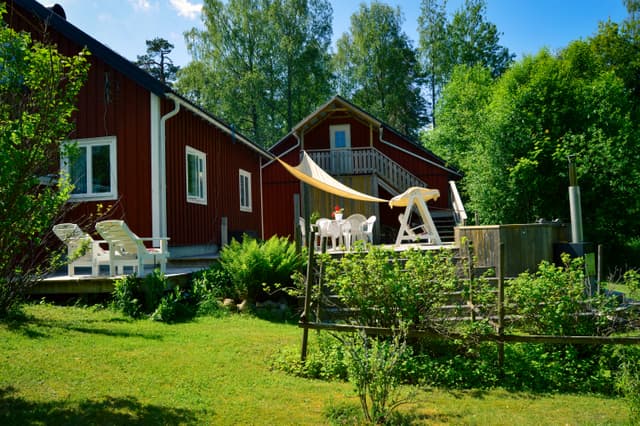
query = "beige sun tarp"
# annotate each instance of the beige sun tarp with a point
(309, 172)
(413, 193)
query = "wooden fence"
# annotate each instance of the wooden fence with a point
(313, 317)
(524, 246)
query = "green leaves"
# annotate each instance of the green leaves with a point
(260, 65)
(377, 68)
(386, 288)
(38, 87)
(253, 265)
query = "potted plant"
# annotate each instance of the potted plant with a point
(337, 213)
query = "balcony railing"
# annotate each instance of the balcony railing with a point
(362, 161)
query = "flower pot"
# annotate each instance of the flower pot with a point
(338, 216)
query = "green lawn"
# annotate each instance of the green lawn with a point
(66, 365)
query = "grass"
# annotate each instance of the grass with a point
(71, 365)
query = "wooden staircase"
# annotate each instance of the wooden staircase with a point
(445, 223)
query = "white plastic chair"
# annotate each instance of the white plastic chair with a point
(352, 229)
(82, 249)
(329, 230)
(368, 228)
(127, 249)
(303, 230)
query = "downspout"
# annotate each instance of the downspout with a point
(163, 167)
(261, 204)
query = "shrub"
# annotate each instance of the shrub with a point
(385, 288)
(628, 382)
(259, 269)
(373, 369)
(136, 297)
(554, 299)
(214, 282)
(174, 306)
(126, 296)
(328, 361)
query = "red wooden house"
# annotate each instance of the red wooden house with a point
(169, 168)
(362, 152)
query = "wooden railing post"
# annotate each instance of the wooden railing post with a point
(304, 318)
(470, 272)
(501, 307)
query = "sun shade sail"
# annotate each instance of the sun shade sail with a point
(403, 199)
(309, 172)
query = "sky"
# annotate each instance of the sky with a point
(526, 26)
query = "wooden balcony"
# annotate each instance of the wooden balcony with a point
(365, 161)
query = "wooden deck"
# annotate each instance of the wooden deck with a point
(178, 272)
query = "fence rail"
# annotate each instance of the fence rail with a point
(313, 317)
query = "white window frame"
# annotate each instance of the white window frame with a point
(346, 128)
(89, 143)
(201, 196)
(244, 189)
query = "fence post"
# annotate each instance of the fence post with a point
(304, 318)
(501, 308)
(470, 272)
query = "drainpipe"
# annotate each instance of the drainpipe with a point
(575, 206)
(162, 162)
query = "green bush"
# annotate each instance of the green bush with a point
(259, 269)
(385, 288)
(137, 297)
(326, 361)
(214, 282)
(374, 371)
(554, 299)
(126, 296)
(152, 297)
(628, 381)
(174, 306)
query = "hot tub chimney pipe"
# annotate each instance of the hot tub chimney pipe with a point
(574, 204)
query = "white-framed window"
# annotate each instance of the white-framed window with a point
(245, 191)
(93, 171)
(196, 166)
(340, 136)
(341, 161)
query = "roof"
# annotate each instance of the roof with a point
(321, 112)
(54, 17)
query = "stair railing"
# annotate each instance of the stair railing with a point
(459, 213)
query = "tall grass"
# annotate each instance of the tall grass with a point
(70, 365)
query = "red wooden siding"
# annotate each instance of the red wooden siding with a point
(196, 224)
(279, 186)
(113, 103)
(109, 104)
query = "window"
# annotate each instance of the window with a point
(196, 176)
(340, 136)
(245, 191)
(93, 170)
(341, 161)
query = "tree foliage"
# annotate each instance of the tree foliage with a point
(377, 68)
(260, 65)
(519, 132)
(466, 39)
(38, 87)
(157, 61)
